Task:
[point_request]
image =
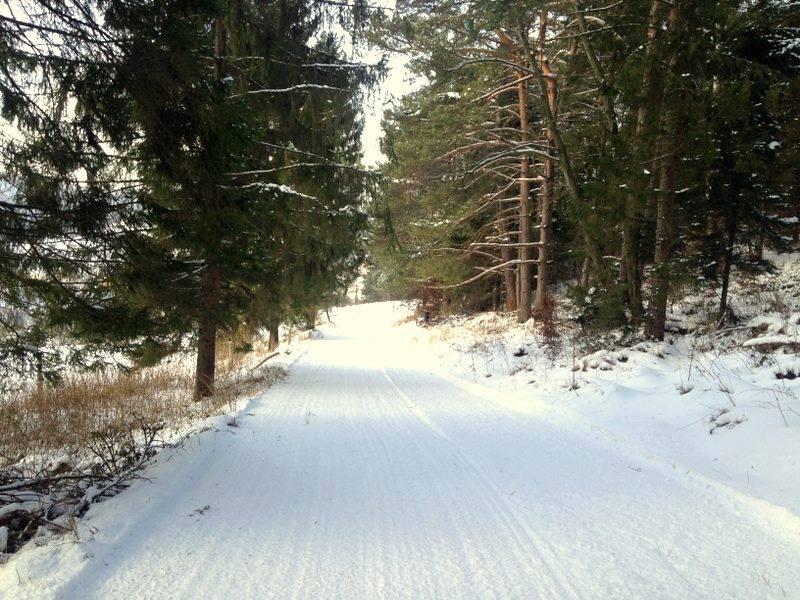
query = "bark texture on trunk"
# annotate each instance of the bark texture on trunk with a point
(274, 339)
(758, 247)
(664, 233)
(542, 307)
(509, 277)
(207, 335)
(649, 106)
(311, 318)
(524, 306)
(584, 280)
(593, 249)
(597, 70)
(670, 151)
(210, 278)
(730, 242)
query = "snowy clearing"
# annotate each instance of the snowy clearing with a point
(372, 473)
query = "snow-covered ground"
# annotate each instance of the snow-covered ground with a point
(387, 465)
(720, 416)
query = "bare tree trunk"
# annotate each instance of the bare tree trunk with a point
(524, 306)
(758, 248)
(207, 335)
(730, 242)
(507, 255)
(666, 198)
(597, 70)
(584, 281)
(664, 227)
(631, 272)
(565, 162)
(542, 307)
(731, 224)
(210, 279)
(274, 338)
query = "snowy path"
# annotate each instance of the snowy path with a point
(366, 475)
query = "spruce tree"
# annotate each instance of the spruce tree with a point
(187, 133)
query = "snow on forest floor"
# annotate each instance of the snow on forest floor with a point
(723, 417)
(723, 407)
(388, 465)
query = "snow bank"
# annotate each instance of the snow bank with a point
(731, 418)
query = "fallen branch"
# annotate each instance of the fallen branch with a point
(273, 355)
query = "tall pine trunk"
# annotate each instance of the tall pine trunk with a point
(311, 318)
(664, 233)
(593, 249)
(728, 263)
(584, 276)
(524, 306)
(631, 271)
(542, 306)
(669, 152)
(210, 278)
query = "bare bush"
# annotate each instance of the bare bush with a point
(41, 498)
(66, 446)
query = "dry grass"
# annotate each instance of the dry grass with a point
(86, 405)
(409, 318)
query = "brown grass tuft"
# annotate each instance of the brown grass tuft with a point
(84, 405)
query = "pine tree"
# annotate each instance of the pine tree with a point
(667, 134)
(192, 105)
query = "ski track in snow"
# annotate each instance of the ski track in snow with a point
(368, 475)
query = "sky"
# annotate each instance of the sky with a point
(397, 83)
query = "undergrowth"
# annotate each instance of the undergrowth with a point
(68, 416)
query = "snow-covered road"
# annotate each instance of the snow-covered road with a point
(367, 474)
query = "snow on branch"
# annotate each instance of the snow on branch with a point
(264, 186)
(288, 90)
(485, 273)
(319, 65)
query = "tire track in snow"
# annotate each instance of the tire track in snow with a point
(546, 553)
(364, 476)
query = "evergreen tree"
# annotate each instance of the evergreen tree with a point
(207, 109)
(664, 121)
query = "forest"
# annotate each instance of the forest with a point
(173, 171)
(620, 152)
(399, 298)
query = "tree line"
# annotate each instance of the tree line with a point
(173, 170)
(626, 148)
